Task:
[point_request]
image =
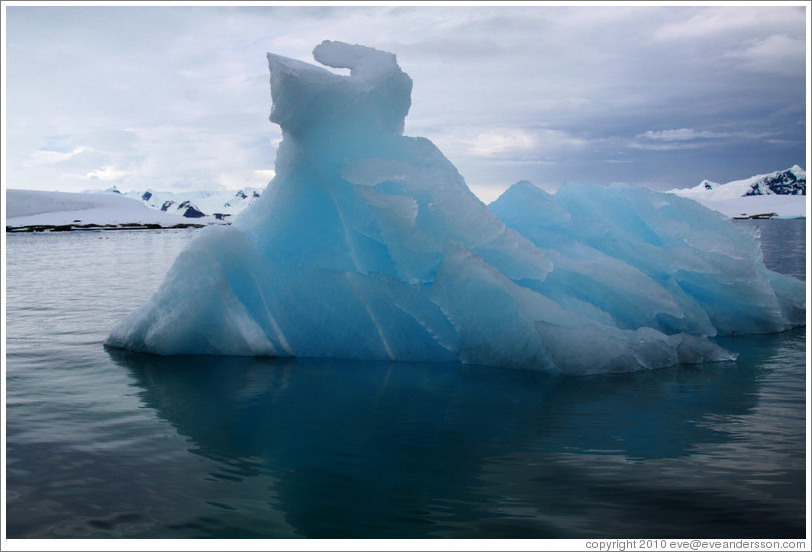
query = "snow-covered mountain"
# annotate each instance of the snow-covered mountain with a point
(30, 210)
(779, 193)
(222, 205)
(791, 181)
(36, 211)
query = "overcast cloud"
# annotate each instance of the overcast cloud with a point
(174, 98)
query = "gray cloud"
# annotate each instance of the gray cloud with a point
(178, 96)
(682, 134)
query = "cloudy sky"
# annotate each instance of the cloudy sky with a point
(174, 98)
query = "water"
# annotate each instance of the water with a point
(104, 443)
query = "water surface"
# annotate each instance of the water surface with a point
(105, 443)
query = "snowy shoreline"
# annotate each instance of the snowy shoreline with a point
(779, 194)
(37, 211)
(40, 228)
(757, 207)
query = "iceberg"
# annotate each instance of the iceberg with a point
(368, 244)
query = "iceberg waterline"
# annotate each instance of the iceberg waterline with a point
(368, 244)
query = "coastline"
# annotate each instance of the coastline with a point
(41, 228)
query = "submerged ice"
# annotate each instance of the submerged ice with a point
(368, 244)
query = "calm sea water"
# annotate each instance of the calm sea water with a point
(103, 443)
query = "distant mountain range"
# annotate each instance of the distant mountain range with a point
(776, 194)
(110, 209)
(791, 181)
(220, 205)
(40, 211)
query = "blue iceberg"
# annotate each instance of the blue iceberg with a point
(368, 244)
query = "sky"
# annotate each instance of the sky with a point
(177, 98)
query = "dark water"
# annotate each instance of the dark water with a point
(783, 244)
(103, 443)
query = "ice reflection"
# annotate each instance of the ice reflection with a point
(360, 449)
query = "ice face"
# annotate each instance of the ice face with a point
(652, 259)
(369, 245)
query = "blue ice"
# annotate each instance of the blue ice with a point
(368, 244)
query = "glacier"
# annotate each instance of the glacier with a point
(368, 244)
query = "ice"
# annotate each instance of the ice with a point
(368, 244)
(652, 259)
